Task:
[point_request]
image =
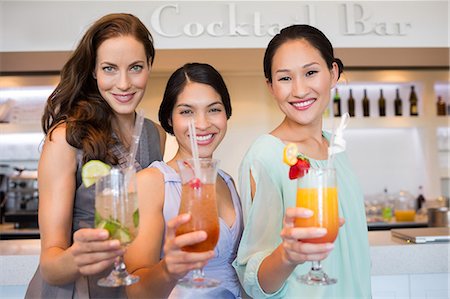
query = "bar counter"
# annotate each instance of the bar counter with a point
(399, 269)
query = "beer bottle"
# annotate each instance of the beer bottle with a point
(337, 103)
(398, 104)
(441, 107)
(351, 104)
(366, 104)
(382, 104)
(413, 102)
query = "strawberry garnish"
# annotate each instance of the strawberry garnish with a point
(300, 168)
(195, 183)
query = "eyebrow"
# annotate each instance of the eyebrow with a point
(113, 64)
(304, 66)
(189, 106)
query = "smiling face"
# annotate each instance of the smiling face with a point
(122, 71)
(201, 102)
(301, 81)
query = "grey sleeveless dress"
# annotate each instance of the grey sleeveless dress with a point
(83, 217)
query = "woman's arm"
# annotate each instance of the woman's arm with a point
(159, 276)
(61, 262)
(270, 248)
(278, 266)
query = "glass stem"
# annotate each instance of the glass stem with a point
(119, 267)
(316, 266)
(198, 274)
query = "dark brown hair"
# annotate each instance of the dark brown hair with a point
(191, 72)
(76, 100)
(311, 34)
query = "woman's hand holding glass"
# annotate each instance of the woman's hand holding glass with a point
(92, 250)
(178, 262)
(294, 250)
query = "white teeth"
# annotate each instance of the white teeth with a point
(303, 104)
(204, 137)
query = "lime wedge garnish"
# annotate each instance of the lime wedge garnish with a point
(123, 235)
(136, 218)
(92, 170)
(97, 218)
(110, 226)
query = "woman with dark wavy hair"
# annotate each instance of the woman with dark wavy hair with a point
(90, 115)
(195, 91)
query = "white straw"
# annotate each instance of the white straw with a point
(337, 142)
(136, 136)
(194, 148)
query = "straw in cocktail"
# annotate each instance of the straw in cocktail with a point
(136, 136)
(337, 142)
(198, 199)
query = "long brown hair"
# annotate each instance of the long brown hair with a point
(77, 102)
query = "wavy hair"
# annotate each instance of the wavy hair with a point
(76, 100)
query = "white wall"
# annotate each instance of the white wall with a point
(57, 25)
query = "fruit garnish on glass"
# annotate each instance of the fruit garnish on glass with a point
(92, 170)
(116, 210)
(299, 164)
(194, 182)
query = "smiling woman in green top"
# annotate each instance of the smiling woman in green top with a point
(300, 69)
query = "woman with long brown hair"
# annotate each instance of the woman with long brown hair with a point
(90, 115)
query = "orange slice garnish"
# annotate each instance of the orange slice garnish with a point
(290, 154)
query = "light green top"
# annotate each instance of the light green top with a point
(349, 261)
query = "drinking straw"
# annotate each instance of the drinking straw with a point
(194, 148)
(136, 136)
(337, 142)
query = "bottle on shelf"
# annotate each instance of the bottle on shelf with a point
(337, 103)
(387, 210)
(413, 102)
(351, 104)
(441, 107)
(420, 200)
(382, 104)
(366, 104)
(398, 104)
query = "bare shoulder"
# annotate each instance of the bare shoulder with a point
(151, 181)
(57, 148)
(57, 136)
(150, 174)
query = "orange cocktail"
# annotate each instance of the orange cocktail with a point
(200, 202)
(198, 198)
(317, 191)
(324, 203)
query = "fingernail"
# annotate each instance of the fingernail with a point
(321, 231)
(103, 233)
(330, 246)
(308, 213)
(114, 243)
(203, 235)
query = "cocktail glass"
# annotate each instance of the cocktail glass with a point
(317, 191)
(116, 210)
(198, 198)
